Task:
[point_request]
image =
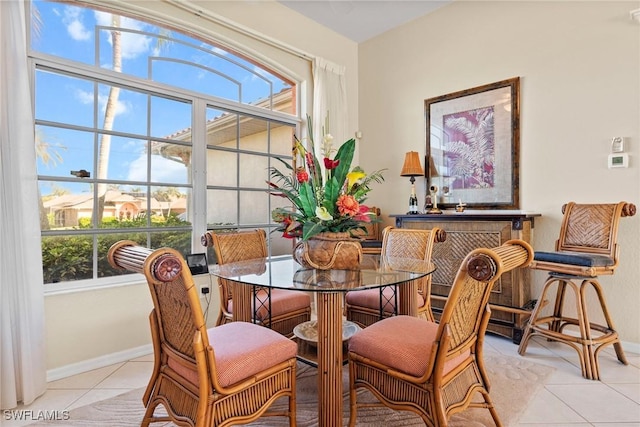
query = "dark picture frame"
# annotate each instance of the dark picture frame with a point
(473, 146)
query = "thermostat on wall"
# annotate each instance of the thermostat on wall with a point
(619, 160)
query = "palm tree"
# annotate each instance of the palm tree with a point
(48, 153)
(110, 111)
(168, 195)
(109, 116)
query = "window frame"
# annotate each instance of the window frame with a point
(199, 103)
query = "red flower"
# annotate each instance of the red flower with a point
(291, 228)
(348, 205)
(302, 176)
(364, 214)
(331, 164)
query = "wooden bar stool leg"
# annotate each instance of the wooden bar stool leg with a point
(551, 327)
(617, 345)
(591, 371)
(609, 334)
(535, 319)
(581, 343)
(556, 324)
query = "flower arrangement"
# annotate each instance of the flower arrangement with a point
(322, 202)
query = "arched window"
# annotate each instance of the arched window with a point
(128, 112)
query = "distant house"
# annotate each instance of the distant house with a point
(68, 209)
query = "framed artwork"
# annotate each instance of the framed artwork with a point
(473, 146)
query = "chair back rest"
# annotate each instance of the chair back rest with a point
(592, 228)
(237, 245)
(465, 315)
(412, 243)
(372, 229)
(177, 311)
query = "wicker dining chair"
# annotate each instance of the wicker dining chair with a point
(435, 369)
(371, 241)
(587, 248)
(369, 306)
(278, 309)
(225, 375)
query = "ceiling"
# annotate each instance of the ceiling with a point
(360, 20)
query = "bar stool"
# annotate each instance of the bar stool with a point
(587, 248)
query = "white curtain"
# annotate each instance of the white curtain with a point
(22, 349)
(329, 102)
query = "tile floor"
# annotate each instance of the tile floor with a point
(567, 400)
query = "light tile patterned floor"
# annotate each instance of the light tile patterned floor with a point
(567, 399)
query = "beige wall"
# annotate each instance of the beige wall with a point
(579, 64)
(93, 328)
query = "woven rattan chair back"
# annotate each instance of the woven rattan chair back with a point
(239, 246)
(592, 228)
(415, 244)
(451, 351)
(468, 299)
(231, 247)
(175, 300)
(401, 243)
(245, 245)
(185, 378)
(586, 248)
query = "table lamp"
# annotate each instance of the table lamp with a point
(412, 168)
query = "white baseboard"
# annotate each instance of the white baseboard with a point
(98, 362)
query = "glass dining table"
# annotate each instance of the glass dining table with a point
(329, 287)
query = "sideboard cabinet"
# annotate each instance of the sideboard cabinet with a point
(510, 299)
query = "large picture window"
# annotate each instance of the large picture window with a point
(146, 134)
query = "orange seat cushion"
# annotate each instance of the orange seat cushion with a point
(402, 343)
(282, 302)
(242, 350)
(370, 298)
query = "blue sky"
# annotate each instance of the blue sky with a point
(69, 31)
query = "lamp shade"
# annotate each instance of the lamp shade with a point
(412, 166)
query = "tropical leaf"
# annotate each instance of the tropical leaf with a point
(331, 193)
(307, 200)
(287, 181)
(345, 155)
(304, 218)
(310, 229)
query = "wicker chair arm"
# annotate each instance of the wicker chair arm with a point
(481, 267)
(629, 209)
(128, 255)
(206, 239)
(440, 236)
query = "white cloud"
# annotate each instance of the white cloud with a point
(163, 170)
(75, 27)
(133, 45)
(122, 107)
(86, 98)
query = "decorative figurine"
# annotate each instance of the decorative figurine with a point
(433, 190)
